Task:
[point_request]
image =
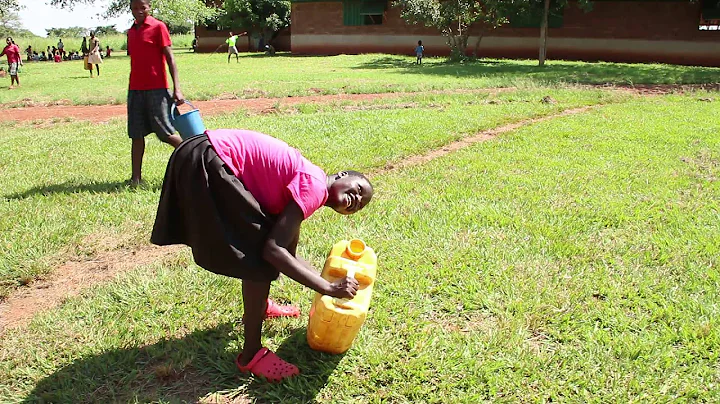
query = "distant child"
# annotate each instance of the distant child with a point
(57, 57)
(419, 52)
(108, 51)
(238, 199)
(232, 50)
(12, 51)
(149, 100)
(94, 57)
(195, 43)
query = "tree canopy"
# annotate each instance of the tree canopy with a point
(172, 12)
(264, 17)
(10, 25)
(454, 19)
(7, 6)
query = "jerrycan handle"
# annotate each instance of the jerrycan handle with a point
(344, 302)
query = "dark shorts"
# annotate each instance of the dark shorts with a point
(205, 206)
(149, 112)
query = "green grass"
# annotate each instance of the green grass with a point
(571, 260)
(75, 204)
(208, 76)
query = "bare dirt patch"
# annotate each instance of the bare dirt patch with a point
(104, 113)
(72, 277)
(661, 89)
(479, 137)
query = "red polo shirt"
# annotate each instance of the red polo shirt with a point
(147, 61)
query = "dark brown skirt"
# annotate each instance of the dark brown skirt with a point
(205, 206)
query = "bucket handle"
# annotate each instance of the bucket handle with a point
(174, 107)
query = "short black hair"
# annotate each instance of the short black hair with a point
(354, 173)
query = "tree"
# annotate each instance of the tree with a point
(454, 18)
(556, 5)
(265, 17)
(172, 12)
(71, 32)
(106, 30)
(494, 14)
(10, 24)
(8, 6)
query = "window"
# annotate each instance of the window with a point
(358, 12)
(710, 16)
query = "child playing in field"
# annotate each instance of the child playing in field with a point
(12, 51)
(232, 50)
(419, 52)
(238, 199)
(149, 100)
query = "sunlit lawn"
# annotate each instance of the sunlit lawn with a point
(209, 76)
(571, 260)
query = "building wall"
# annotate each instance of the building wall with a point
(209, 40)
(632, 31)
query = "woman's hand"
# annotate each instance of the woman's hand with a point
(345, 288)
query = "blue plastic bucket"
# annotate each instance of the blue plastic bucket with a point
(188, 124)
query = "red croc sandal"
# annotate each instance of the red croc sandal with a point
(275, 310)
(268, 365)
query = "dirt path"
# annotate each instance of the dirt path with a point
(102, 113)
(478, 137)
(71, 278)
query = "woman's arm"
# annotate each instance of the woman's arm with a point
(277, 248)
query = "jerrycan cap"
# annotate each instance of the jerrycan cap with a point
(355, 248)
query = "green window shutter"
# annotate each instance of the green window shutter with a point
(372, 7)
(351, 12)
(711, 14)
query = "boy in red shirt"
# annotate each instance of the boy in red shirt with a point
(149, 99)
(12, 52)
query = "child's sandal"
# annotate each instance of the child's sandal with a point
(268, 365)
(275, 310)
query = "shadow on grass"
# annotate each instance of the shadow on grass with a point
(184, 370)
(75, 188)
(556, 71)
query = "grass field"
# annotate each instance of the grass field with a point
(574, 259)
(209, 76)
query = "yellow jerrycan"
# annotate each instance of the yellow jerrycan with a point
(334, 323)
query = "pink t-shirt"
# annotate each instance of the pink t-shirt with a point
(271, 170)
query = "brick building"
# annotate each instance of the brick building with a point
(671, 31)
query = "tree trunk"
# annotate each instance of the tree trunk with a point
(544, 33)
(477, 43)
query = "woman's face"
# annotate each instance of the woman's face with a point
(8, 41)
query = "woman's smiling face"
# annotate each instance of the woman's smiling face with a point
(349, 193)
